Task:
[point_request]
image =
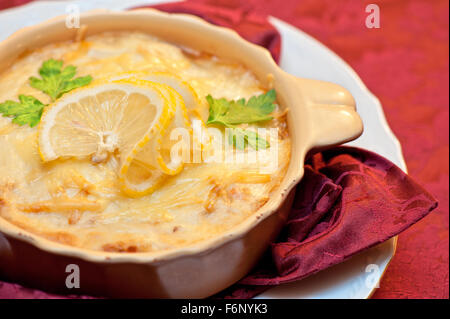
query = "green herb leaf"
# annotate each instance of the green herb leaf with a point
(55, 81)
(236, 137)
(240, 138)
(27, 111)
(255, 141)
(231, 113)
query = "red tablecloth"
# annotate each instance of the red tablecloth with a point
(404, 63)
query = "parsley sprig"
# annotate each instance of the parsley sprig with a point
(232, 113)
(54, 81)
(27, 111)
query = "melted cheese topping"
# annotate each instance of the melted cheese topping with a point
(77, 203)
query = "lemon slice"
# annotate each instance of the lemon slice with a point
(192, 102)
(190, 108)
(158, 153)
(104, 119)
(190, 97)
(167, 162)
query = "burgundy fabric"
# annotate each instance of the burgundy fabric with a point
(6, 4)
(15, 291)
(349, 199)
(252, 27)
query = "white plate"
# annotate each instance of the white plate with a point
(302, 56)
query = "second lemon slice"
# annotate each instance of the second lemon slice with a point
(189, 109)
(158, 152)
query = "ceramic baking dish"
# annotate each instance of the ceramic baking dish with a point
(320, 115)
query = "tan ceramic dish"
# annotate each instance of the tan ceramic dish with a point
(321, 114)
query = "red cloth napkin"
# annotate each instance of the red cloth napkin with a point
(349, 199)
(6, 4)
(252, 27)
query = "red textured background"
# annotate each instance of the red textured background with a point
(405, 64)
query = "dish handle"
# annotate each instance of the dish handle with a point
(334, 119)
